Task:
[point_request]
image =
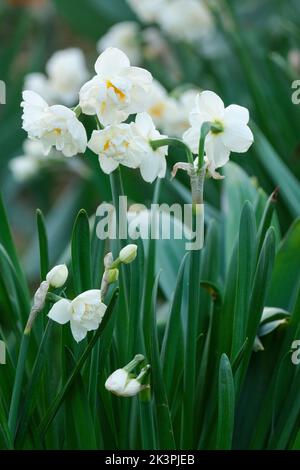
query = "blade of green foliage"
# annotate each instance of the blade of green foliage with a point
(81, 254)
(226, 401)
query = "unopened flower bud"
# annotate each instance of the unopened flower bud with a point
(120, 383)
(128, 254)
(57, 276)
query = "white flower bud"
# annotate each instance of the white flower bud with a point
(128, 254)
(57, 276)
(120, 383)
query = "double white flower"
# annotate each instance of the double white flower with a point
(117, 90)
(84, 313)
(55, 126)
(129, 145)
(231, 132)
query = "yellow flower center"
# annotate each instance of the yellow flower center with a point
(117, 91)
(57, 131)
(157, 110)
(106, 145)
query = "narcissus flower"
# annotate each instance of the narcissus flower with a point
(124, 383)
(55, 126)
(124, 36)
(57, 276)
(231, 133)
(117, 144)
(185, 19)
(120, 383)
(84, 313)
(117, 90)
(67, 72)
(154, 164)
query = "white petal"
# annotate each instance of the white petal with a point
(144, 124)
(216, 152)
(191, 138)
(108, 165)
(111, 61)
(237, 137)
(61, 311)
(90, 296)
(238, 113)
(151, 167)
(78, 331)
(211, 104)
(34, 99)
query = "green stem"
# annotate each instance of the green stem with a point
(205, 129)
(155, 144)
(147, 420)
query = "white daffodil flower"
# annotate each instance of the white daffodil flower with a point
(39, 83)
(26, 166)
(120, 383)
(57, 276)
(147, 10)
(117, 90)
(55, 126)
(186, 20)
(67, 72)
(117, 144)
(84, 313)
(124, 36)
(154, 164)
(232, 133)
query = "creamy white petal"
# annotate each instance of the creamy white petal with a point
(111, 61)
(234, 112)
(78, 331)
(61, 311)
(108, 164)
(216, 152)
(211, 104)
(90, 296)
(151, 167)
(237, 137)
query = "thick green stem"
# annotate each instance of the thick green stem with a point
(155, 144)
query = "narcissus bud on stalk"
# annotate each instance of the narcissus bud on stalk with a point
(125, 384)
(128, 254)
(57, 276)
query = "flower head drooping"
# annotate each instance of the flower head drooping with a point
(117, 90)
(57, 276)
(84, 313)
(123, 383)
(229, 129)
(55, 126)
(124, 36)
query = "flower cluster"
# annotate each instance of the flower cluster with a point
(120, 90)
